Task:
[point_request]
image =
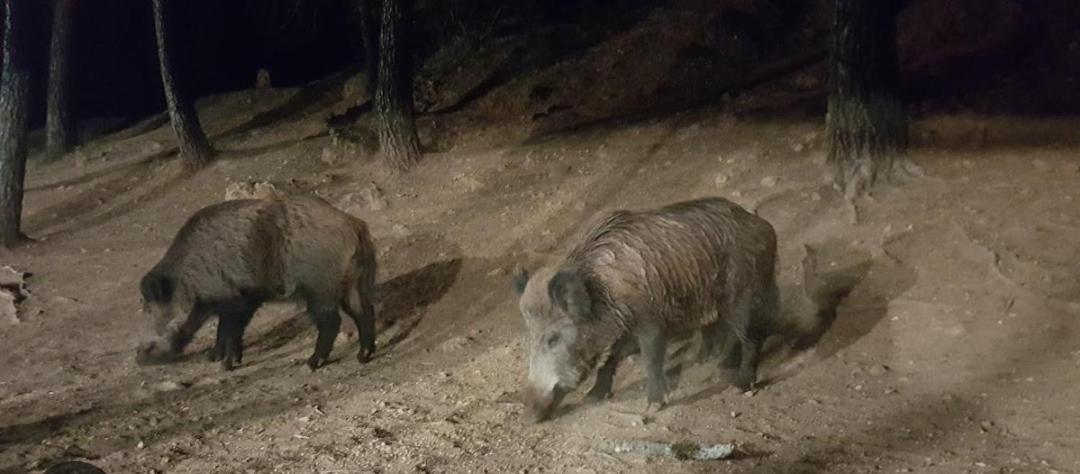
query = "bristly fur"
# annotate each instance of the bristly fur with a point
(683, 264)
(230, 257)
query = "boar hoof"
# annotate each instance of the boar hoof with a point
(744, 382)
(597, 395)
(364, 356)
(654, 406)
(315, 362)
(214, 354)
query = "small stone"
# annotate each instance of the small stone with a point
(769, 181)
(721, 180)
(816, 196)
(328, 156)
(250, 190)
(400, 230)
(878, 370)
(736, 194)
(798, 147)
(141, 445)
(168, 386)
(262, 79)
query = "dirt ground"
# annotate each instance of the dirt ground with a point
(955, 351)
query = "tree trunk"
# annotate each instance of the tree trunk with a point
(369, 30)
(14, 113)
(59, 130)
(195, 150)
(867, 123)
(398, 142)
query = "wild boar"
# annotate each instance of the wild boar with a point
(230, 258)
(633, 278)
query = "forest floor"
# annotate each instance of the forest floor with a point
(955, 352)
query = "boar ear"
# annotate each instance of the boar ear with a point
(521, 278)
(157, 288)
(567, 290)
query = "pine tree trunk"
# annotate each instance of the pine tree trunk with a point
(399, 145)
(195, 150)
(369, 30)
(867, 123)
(14, 113)
(59, 130)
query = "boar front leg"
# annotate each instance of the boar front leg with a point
(605, 376)
(653, 343)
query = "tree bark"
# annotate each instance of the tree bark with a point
(59, 129)
(867, 123)
(195, 149)
(399, 144)
(14, 113)
(369, 30)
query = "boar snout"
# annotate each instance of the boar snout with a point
(541, 403)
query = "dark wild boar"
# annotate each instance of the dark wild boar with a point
(231, 257)
(632, 279)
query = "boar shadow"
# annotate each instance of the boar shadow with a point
(402, 299)
(399, 308)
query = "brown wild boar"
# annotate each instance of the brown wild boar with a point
(638, 277)
(231, 257)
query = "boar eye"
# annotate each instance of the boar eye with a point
(553, 339)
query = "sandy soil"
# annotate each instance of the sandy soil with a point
(956, 350)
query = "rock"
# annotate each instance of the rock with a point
(251, 190)
(400, 230)
(798, 147)
(356, 89)
(468, 182)
(769, 181)
(262, 79)
(455, 343)
(328, 156)
(878, 370)
(371, 198)
(721, 179)
(816, 196)
(168, 386)
(12, 291)
(8, 311)
(374, 196)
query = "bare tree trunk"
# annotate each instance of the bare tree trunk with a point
(398, 142)
(59, 130)
(195, 150)
(369, 30)
(14, 112)
(867, 123)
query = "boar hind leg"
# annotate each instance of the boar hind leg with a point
(605, 376)
(747, 319)
(730, 355)
(653, 345)
(362, 312)
(328, 323)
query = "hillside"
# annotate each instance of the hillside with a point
(955, 351)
